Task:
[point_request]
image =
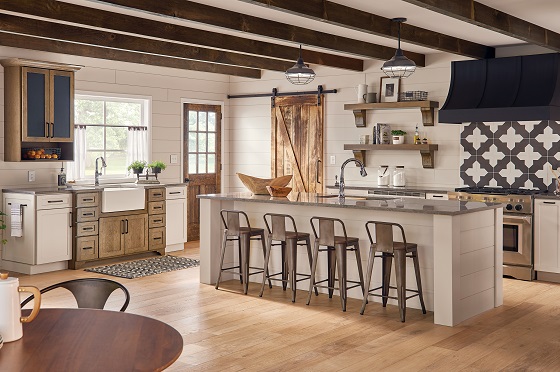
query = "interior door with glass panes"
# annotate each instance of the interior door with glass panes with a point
(202, 158)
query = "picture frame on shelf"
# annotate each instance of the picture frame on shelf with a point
(389, 89)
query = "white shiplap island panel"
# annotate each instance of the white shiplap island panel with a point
(459, 245)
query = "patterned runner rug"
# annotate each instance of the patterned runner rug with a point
(145, 267)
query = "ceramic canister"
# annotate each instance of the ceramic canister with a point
(10, 310)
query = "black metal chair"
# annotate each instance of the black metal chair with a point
(90, 293)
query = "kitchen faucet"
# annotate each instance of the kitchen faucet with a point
(363, 173)
(97, 172)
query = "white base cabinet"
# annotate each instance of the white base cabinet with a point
(547, 235)
(175, 218)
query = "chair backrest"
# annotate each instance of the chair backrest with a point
(277, 226)
(327, 230)
(232, 221)
(90, 293)
(384, 235)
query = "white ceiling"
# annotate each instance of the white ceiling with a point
(545, 13)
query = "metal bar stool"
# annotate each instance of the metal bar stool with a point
(388, 248)
(289, 241)
(233, 231)
(336, 248)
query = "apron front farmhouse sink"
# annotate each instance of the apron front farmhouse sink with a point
(115, 199)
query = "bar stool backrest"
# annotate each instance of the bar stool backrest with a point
(384, 235)
(327, 230)
(231, 221)
(277, 226)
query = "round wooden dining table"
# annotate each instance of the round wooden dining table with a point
(92, 340)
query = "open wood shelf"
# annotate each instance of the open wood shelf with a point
(427, 108)
(426, 151)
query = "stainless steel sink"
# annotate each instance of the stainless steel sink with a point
(348, 197)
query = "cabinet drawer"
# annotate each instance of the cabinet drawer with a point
(87, 228)
(88, 199)
(54, 201)
(156, 238)
(87, 214)
(86, 248)
(175, 192)
(156, 194)
(156, 220)
(156, 207)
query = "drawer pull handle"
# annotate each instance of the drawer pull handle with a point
(158, 220)
(88, 199)
(157, 207)
(158, 238)
(158, 194)
(175, 192)
(437, 196)
(88, 228)
(88, 214)
(55, 201)
(86, 248)
(549, 202)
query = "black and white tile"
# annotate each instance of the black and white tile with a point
(510, 154)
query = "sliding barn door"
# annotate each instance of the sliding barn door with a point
(297, 141)
(202, 162)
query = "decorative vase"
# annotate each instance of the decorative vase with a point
(398, 140)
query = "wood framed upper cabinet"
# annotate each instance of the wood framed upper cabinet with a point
(48, 105)
(39, 107)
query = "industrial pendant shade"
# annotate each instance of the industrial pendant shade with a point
(300, 74)
(399, 65)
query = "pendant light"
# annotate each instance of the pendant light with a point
(399, 65)
(300, 74)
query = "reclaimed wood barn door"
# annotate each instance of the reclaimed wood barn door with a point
(297, 141)
(202, 158)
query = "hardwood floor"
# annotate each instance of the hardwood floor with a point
(223, 330)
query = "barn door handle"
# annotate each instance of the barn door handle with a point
(317, 171)
(187, 180)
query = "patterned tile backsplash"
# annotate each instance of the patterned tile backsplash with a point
(510, 154)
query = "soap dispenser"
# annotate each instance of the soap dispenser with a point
(61, 178)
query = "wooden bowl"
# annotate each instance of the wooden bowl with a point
(258, 185)
(278, 191)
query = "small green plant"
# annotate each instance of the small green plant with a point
(398, 132)
(157, 164)
(2, 225)
(137, 166)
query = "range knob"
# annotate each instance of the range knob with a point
(518, 207)
(509, 207)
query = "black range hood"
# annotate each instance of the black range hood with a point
(504, 89)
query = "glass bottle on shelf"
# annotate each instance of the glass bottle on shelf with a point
(417, 140)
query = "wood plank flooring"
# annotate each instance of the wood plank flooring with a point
(224, 330)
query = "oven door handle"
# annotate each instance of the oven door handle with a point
(524, 218)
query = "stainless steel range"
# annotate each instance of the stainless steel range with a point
(518, 224)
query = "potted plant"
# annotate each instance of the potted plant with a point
(157, 166)
(137, 167)
(2, 225)
(398, 136)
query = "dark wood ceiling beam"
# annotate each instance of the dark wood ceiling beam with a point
(345, 16)
(188, 10)
(34, 27)
(62, 47)
(141, 26)
(492, 19)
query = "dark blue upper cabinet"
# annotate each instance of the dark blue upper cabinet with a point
(48, 105)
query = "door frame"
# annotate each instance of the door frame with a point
(222, 139)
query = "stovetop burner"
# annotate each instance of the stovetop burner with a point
(500, 191)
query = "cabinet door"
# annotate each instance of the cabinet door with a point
(54, 237)
(176, 221)
(136, 233)
(61, 106)
(547, 236)
(111, 236)
(20, 249)
(35, 115)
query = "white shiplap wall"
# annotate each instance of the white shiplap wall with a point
(249, 125)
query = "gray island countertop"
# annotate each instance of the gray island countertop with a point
(406, 205)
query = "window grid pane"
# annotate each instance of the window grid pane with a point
(201, 163)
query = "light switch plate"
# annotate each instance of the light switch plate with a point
(174, 159)
(31, 176)
(333, 160)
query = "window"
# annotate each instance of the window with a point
(112, 127)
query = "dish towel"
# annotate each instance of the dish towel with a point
(16, 220)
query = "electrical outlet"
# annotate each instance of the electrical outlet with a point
(333, 160)
(174, 159)
(31, 176)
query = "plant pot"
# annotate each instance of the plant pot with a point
(398, 140)
(156, 170)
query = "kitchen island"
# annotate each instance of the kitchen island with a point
(459, 244)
